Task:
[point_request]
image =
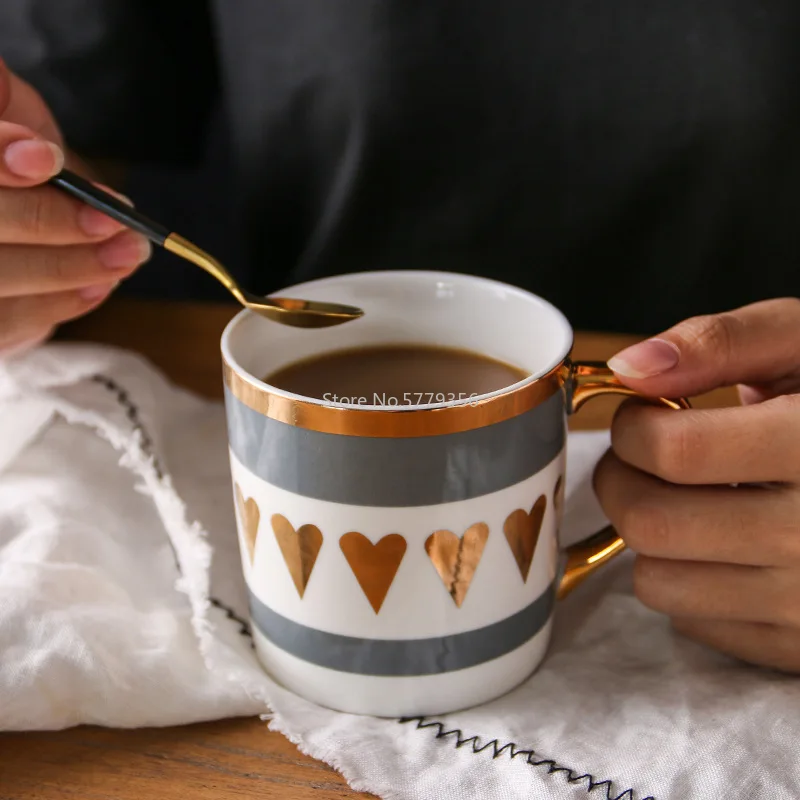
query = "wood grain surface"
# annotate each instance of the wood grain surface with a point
(231, 759)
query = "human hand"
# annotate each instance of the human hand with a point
(722, 561)
(58, 258)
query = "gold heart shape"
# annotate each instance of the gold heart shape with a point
(300, 549)
(522, 533)
(558, 495)
(374, 565)
(456, 558)
(250, 517)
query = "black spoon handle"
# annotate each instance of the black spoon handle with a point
(76, 186)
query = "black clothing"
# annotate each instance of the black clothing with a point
(635, 163)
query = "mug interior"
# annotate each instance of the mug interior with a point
(411, 308)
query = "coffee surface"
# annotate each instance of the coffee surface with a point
(395, 375)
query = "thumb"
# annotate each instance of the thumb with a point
(758, 344)
(22, 104)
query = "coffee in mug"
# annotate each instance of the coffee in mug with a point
(395, 375)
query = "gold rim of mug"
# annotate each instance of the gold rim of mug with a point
(398, 421)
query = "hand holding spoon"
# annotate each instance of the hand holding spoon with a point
(286, 310)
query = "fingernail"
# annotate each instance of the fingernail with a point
(646, 359)
(96, 223)
(34, 159)
(127, 250)
(97, 292)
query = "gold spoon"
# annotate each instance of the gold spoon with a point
(286, 310)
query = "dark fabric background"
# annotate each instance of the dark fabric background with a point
(634, 162)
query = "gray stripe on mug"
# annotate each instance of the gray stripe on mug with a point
(403, 657)
(394, 472)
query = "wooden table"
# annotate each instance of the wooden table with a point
(231, 759)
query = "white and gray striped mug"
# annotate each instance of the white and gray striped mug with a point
(404, 560)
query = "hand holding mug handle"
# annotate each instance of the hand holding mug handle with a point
(586, 380)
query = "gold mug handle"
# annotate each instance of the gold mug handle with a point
(584, 381)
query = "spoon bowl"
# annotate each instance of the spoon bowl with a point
(285, 310)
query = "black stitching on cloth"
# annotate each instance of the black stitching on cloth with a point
(514, 750)
(146, 444)
(244, 627)
(132, 413)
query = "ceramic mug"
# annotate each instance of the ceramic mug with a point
(403, 560)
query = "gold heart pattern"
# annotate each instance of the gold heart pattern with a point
(558, 496)
(374, 565)
(249, 516)
(522, 533)
(456, 558)
(300, 549)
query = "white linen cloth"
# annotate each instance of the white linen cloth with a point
(120, 586)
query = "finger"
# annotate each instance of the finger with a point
(20, 102)
(751, 393)
(19, 347)
(757, 344)
(23, 319)
(757, 443)
(746, 525)
(718, 591)
(25, 158)
(28, 270)
(755, 643)
(43, 215)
